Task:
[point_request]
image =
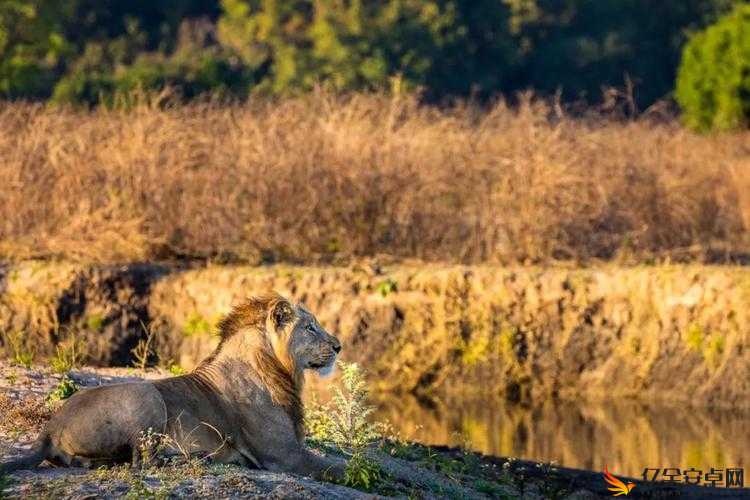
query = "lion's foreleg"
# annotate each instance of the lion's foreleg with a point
(307, 463)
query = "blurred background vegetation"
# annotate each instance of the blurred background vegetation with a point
(87, 51)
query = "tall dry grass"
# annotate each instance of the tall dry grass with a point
(326, 177)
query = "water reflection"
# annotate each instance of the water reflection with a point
(625, 436)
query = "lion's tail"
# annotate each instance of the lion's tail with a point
(37, 455)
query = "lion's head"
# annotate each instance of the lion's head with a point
(277, 340)
(296, 333)
(272, 325)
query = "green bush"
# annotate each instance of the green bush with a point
(713, 83)
(66, 388)
(346, 423)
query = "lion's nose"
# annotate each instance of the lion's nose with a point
(336, 346)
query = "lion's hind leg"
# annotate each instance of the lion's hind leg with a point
(83, 462)
(232, 456)
(59, 458)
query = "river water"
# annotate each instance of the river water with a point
(627, 437)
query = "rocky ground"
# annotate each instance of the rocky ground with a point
(28, 397)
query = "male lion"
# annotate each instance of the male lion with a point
(242, 405)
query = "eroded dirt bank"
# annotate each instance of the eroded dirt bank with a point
(665, 332)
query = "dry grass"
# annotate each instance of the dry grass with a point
(322, 178)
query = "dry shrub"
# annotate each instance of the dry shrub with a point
(325, 177)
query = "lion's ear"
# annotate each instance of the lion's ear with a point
(282, 313)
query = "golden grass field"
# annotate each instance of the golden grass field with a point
(326, 178)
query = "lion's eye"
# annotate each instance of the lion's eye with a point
(310, 328)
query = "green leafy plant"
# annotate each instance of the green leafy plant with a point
(386, 287)
(196, 324)
(346, 423)
(95, 322)
(436, 461)
(66, 388)
(150, 445)
(17, 350)
(492, 489)
(361, 472)
(713, 351)
(176, 370)
(68, 355)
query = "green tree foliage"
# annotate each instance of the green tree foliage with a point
(581, 46)
(156, 21)
(88, 50)
(123, 65)
(350, 44)
(32, 46)
(146, 44)
(465, 47)
(713, 84)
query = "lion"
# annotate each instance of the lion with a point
(242, 405)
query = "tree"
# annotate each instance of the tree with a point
(123, 65)
(713, 84)
(583, 46)
(83, 50)
(294, 45)
(32, 46)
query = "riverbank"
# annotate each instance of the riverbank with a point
(577, 434)
(652, 333)
(433, 472)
